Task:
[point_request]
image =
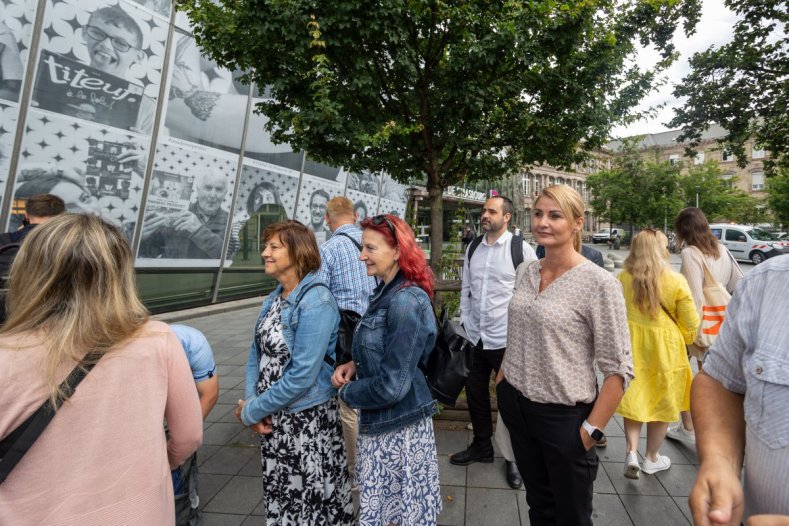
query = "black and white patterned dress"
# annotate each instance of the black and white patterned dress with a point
(305, 476)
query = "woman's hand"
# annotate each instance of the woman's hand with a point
(343, 374)
(261, 428)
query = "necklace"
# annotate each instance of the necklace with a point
(547, 280)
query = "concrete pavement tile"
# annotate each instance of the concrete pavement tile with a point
(645, 485)
(684, 507)
(260, 509)
(235, 358)
(449, 474)
(205, 452)
(222, 519)
(208, 486)
(221, 433)
(523, 508)
(453, 502)
(229, 460)
(252, 521)
(491, 507)
(603, 483)
(613, 429)
(220, 410)
(231, 397)
(254, 467)
(678, 479)
(488, 475)
(227, 383)
(449, 442)
(609, 510)
(223, 370)
(240, 495)
(648, 511)
(614, 451)
(229, 417)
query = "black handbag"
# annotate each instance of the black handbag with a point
(448, 364)
(348, 321)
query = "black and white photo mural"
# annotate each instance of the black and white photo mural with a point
(7, 131)
(16, 25)
(187, 207)
(94, 169)
(393, 197)
(100, 61)
(363, 190)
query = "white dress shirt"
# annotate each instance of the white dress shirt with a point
(488, 283)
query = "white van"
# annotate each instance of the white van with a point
(747, 243)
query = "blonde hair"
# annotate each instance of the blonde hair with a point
(72, 288)
(647, 262)
(340, 207)
(570, 203)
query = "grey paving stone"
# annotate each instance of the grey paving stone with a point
(260, 509)
(231, 396)
(219, 411)
(449, 442)
(205, 452)
(684, 507)
(253, 468)
(649, 511)
(614, 451)
(224, 370)
(603, 484)
(229, 460)
(453, 502)
(491, 507)
(645, 485)
(222, 519)
(239, 496)
(208, 486)
(221, 433)
(678, 479)
(450, 474)
(523, 508)
(608, 510)
(613, 429)
(227, 383)
(488, 475)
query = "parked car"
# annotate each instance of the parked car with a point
(747, 243)
(603, 235)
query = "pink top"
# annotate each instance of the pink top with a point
(104, 458)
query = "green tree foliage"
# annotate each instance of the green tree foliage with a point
(778, 196)
(442, 91)
(719, 198)
(743, 85)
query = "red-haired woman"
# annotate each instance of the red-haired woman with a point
(396, 463)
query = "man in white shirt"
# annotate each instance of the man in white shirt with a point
(488, 282)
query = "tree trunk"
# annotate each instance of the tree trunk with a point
(436, 204)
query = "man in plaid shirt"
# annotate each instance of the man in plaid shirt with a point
(346, 275)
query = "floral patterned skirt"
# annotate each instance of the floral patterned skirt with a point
(397, 475)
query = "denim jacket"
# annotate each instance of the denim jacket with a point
(310, 331)
(395, 334)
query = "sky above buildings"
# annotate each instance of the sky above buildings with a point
(714, 28)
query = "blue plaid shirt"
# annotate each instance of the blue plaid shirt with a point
(343, 271)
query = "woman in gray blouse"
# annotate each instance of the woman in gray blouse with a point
(566, 314)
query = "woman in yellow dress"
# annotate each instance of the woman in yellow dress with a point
(662, 319)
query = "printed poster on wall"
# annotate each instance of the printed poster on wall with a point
(16, 26)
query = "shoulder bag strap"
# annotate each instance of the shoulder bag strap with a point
(326, 358)
(516, 250)
(473, 246)
(669, 315)
(20, 440)
(358, 245)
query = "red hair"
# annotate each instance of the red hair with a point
(412, 260)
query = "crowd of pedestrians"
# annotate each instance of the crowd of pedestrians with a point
(102, 407)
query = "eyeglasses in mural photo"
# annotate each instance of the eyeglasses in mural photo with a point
(16, 25)
(100, 62)
(94, 169)
(186, 212)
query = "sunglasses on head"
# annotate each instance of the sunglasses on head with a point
(381, 219)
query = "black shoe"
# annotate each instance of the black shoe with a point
(473, 453)
(513, 475)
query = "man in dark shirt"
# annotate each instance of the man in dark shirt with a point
(38, 209)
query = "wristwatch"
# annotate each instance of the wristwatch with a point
(595, 433)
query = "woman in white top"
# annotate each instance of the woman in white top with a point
(700, 248)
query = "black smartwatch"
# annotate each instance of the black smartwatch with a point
(595, 433)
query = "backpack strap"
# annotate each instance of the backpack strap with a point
(326, 358)
(516, 250)
(358, 245)
(5, 239)
(20, 440)
(473, 246)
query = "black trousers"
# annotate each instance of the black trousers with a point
(558, 472)
(483, 362)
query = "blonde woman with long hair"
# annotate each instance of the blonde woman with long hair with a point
(104, 458)
(662, 319)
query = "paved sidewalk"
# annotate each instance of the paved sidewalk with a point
(477, 495)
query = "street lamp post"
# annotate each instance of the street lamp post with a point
(697, 196)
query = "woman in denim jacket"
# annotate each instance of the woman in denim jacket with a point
(289, 397)
(396, 464)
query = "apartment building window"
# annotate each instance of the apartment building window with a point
(757, 180)
(757, 153)
(727, 180)
(551, 181)
(526, 185)
(727, 156)
(673, 159)
(699, 159)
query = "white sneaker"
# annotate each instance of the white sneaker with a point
(678, 432)
(661, 464)
(631, 465)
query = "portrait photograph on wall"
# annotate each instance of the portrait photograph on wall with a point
(259, 145)
(16, 25)
(391, 190)
(365, 205)
(364, 182)
(187, 207)
(206, 104)
(266, 194)
(397, 208)
(100, 61)
(314, 193)
(94, 169)
(160, 7)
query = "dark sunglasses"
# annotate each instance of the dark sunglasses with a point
(381, 219)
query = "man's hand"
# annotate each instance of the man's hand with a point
(343, 374)
(717, 497)
(587, 440)
(187, 222)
